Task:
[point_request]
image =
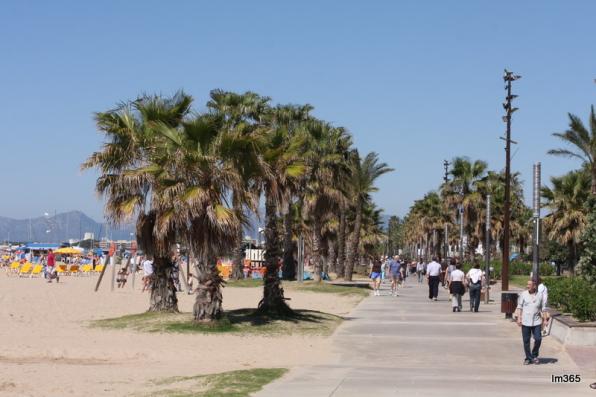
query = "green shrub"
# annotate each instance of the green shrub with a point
(572, 295)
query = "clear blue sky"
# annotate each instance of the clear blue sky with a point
(415, 81)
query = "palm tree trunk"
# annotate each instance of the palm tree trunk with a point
(273, 302)
(163, 291)
(594, 178)
(331, 268)
(316, 249)
(289, 268)
(208, 302)
(341, 244)
(237, 264)
(353, 246)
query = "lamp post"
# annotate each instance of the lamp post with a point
(487, 249)
(509, 77)
(536, 234)
(446, 231)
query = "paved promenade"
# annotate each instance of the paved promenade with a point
(410, 346)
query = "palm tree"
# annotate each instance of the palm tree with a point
(463, 190)
(132, 182)
(326, 172)
(364, 174)
(241, 116)
(583, 142)
(282, 154)
(567, 219)
(201, 177)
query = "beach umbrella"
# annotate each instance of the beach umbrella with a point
(67, 251)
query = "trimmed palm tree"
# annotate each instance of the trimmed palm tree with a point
(132, 183)
(567, 219)
(583, 142)
(364, 173)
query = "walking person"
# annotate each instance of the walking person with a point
(529, 312)
(474, 278)
(419, 271)
(375, 276)
(433, 271)
(543, 292)
(394, 273)
(50, 267)
(456, 287)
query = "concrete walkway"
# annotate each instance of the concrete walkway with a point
(410, 346)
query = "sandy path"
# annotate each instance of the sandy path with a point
(46, 349)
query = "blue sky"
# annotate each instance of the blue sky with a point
(415, 81)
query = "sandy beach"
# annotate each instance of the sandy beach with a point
(47, 347)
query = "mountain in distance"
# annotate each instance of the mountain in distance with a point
(75, 224)
(60, 228)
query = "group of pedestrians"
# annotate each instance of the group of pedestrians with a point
(394, 267)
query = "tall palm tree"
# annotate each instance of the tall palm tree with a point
(201, 177)
(583, 142)
(567, 219)
(326, 172)
(282, 154)
(463, 190)
(131, 179)
(241, 116)
(364, 173)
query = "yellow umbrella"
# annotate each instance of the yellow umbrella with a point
(68, 251)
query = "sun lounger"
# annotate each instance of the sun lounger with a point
(74, 270)
(13, 269)
(36, 272)
(86, 269)
(26, 270)
(99, 268)
(61, 270)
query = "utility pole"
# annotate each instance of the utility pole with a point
(487, 249)
(536, 245)
(508, 78)
(446, 232)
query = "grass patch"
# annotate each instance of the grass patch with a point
(244, 283)
(309, 286)
(241, 321)
(326, 288)
(230, 384)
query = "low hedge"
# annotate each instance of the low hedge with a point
(516, 268)
(572, 295)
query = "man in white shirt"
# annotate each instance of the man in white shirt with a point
(433, 271)
(474, 278)
(530, 306)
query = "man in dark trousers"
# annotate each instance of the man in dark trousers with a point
(433, 271)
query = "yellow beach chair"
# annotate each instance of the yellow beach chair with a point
(86, 269)
(36, 272)
(61, 270)
(74, 270)
(99, 268)
(26, 270)
(14, 269)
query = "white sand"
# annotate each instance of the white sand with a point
(47, 349)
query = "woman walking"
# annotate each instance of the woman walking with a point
(456, 287)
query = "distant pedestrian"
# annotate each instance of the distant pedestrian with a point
(530, 308)
(375, 276)
(456, 287)
(420, 271)
(433, 271)
(474, 277)
(394, 273)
